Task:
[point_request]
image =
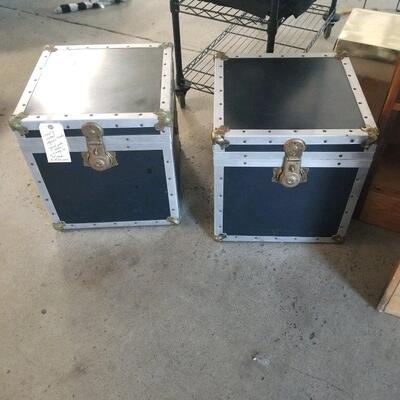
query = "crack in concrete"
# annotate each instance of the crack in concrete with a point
(36, 14)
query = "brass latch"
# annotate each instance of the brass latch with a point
(96, 157)
(291, 174)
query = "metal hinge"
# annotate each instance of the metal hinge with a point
(291, 173)
(15, 123)
(59, 226)
(221, 55)
(373, 135)
(164, 120)
(173, 220)
(341, 54)
(218, 137)
(221, 237)
(97, 157)
(166, 45)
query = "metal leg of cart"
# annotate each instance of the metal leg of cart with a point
(273, 25)
(182, 85)
(333, 17)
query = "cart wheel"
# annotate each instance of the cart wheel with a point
(327, 31)
(182, 100)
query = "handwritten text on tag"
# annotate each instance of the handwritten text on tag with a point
(55, 143)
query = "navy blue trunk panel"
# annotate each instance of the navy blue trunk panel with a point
(256, 206)
(135, 190)
(289, 93)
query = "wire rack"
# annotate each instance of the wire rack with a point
(247, 35)
(217, 13)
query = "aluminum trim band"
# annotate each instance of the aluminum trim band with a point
(110, 46)
(293, 55)
(32, 82)
(219, 93)
(167, 80)
(110, 120)
(352, 201)
(308, 156)
(358, 93)
(112, 143)
(43, 192)
(278, 239)
(121, 224)
(277, 162)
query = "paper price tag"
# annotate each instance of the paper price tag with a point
(55, 143)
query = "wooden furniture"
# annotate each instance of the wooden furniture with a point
(390, 302)
(380, 203)
(372, 40)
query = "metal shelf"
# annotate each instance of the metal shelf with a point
(247, 34)
(217, 13)
(229, 15)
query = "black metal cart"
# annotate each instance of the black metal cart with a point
(245, 34)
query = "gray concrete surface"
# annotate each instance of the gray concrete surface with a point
(169, 314)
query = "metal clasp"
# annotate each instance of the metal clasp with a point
(291, 174)
(96, 157)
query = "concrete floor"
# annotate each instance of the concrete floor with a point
(167, 313)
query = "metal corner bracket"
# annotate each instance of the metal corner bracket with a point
(341, 54)
(221, 55)
(166, 45)
(373, 135)
(218, 137)
(173, 220)
(338, 239)
(164, 120)
(50, 48)
(15, 123)
(59, 226)
(221, 237)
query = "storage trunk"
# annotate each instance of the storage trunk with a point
(97, 127)
(292, 142)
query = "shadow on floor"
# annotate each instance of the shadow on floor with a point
(196, 195)
(366, 260)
